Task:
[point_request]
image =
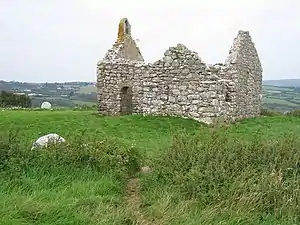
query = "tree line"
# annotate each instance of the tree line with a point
(9, 99)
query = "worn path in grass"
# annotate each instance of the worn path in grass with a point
(133, 202)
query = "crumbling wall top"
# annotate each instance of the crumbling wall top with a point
(124, 30)
(125, 48)
(125, 51)
(243, 51)
(180, 54)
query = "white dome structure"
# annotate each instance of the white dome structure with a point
(46, 105)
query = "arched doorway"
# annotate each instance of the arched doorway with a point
(126, 100)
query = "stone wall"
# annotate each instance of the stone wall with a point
(246, 68)
(180, 84)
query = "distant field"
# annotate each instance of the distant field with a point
(274, 88)
(61, 102)
(245, 173)
(283, 82)
(281, 98)
(87, 89)
(279, 102)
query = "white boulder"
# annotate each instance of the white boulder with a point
(45, 140)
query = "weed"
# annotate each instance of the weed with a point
(255, 177)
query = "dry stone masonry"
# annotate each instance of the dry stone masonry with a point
(180, 84)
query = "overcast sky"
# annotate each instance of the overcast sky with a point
(62, 40)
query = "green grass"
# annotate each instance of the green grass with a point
(246, 173)
(148, 133)
(60, 196)
(78, 102)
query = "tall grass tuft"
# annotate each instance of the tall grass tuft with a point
(253, 177)
(70, 183)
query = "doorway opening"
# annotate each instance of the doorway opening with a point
(126, 101)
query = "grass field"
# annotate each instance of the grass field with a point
(247, 173)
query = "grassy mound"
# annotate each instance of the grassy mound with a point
(246, 173)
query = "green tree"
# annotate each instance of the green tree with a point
(9, 99)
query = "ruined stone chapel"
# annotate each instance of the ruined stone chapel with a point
(180, 83)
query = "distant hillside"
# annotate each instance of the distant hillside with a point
(67, 94)
(283, 82)
(279, 95)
